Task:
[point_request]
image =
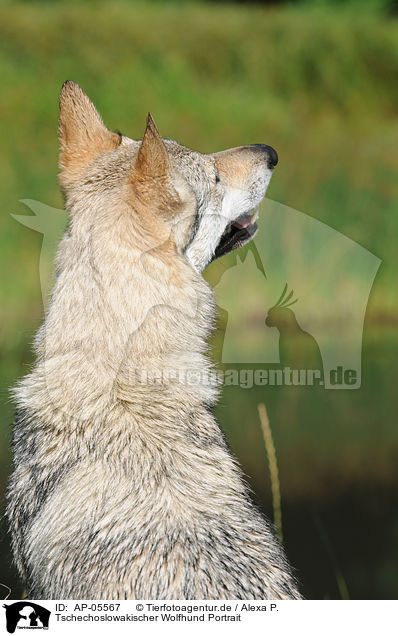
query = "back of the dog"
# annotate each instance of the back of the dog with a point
(84, 528)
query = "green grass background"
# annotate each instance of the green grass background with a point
(319, 83)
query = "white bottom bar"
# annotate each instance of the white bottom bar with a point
(217, 617)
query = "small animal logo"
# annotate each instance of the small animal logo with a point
(298, 349)
(26, 615)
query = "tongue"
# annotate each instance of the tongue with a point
(242, 222)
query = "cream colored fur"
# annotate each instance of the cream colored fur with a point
(124, 487)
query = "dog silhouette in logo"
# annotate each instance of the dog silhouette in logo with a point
(213, 277)
(297, 348)
(26, 614)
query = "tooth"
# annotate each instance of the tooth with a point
(255, 214)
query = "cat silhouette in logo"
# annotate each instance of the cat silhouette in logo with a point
(26, 614)
(298, 349)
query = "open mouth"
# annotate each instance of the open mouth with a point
(236, 234)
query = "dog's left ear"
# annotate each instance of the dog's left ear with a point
(82, 134)
(152, 160)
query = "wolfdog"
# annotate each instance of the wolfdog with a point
(124, 487)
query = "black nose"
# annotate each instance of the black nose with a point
(270, 152)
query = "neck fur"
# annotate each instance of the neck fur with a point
(121, 321)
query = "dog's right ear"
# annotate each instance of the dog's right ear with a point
(151, 174)
(82, 133)
(152, 160)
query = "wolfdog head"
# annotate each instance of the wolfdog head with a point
(205, 203)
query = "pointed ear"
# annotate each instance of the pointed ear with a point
(152, 159)
(82, 133)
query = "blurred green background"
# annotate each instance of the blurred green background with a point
(316, 80)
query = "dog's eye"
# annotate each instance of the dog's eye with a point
(218, 178)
